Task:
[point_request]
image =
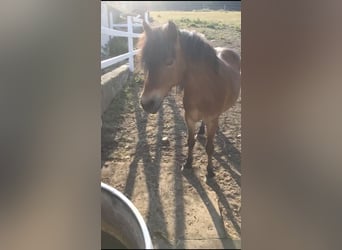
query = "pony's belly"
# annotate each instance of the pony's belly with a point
(197, 114)
(194, 114)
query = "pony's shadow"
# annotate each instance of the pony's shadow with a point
(228, 151)
(227, 147)
(222, 199)
(192, 178)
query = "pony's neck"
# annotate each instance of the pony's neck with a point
(191, 70)
(197, 56)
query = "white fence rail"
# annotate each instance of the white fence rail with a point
(131, 22)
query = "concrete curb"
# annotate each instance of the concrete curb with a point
(111, 83)
(212, 244)
(199, 244)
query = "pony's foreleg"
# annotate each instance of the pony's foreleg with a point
(211, 130)
(191, 140)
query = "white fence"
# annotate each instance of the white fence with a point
(131, 22)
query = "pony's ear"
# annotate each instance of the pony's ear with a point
(172, 31)
(147, 28)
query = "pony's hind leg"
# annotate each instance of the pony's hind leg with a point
(191, 140)
(211, 130)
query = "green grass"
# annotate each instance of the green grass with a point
(224, 17)
(223, 28)
(198, 23)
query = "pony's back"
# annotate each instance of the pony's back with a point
(230, 57)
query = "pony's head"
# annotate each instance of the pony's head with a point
(163, 64)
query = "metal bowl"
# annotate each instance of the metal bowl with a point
(121, 220)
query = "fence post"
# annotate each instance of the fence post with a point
(110, 25)
(111, 21)
(146, 17)
(105, 16)
(130, 43)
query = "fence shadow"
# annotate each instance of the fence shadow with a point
(155, 216)
(111, 121)
(179, 127)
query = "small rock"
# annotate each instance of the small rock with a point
(165, 141)
(107, 164)
(238, 136)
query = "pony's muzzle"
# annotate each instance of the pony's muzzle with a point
(150, 105)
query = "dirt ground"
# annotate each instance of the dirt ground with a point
(138, 161)
(142, 156)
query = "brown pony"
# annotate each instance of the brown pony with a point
(209, 77)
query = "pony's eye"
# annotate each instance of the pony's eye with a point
(169, 61)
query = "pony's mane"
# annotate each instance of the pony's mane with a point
(155, 49)
(196, 48)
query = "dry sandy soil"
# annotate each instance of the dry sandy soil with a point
(181, 209)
